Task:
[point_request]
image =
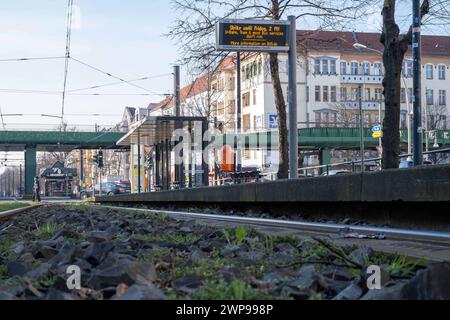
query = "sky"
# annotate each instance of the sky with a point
(124, 38)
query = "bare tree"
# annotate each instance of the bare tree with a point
(346, 117)
(436, 117)
(206, 97)
(433, 13)
(195, 26)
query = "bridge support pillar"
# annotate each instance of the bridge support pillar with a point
(30, 170)
(324, 158)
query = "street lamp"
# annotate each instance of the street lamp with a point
(408, 106)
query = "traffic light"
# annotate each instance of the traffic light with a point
(100, 159)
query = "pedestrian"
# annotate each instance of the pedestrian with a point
(36, 190)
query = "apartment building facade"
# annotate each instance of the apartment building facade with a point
(330, 71)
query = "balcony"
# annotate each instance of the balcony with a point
(362, 79)
(366, 105)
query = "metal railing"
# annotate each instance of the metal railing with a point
(326, 168)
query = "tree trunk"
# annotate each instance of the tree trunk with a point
(393, 55)
(283, 167)
(280, 104)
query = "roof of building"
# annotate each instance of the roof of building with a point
(58, 171)
(343, 41)
(316, 40)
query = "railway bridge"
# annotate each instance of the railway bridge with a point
(31, 142)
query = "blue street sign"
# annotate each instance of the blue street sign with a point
(273, 121)
(376, 128)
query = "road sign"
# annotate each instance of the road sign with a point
(377, 134)
(273, 121)
(252, 35)
(376, 128)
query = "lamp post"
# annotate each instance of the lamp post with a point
(417, 85)
(408, 105)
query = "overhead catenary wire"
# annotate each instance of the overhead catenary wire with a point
(115, 77)
(30, 59)
(67, 114)
(67, 56)
(121, 82)
(18, 91)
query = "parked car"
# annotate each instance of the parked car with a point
(405, 164)
(335, 172)
(108, 188)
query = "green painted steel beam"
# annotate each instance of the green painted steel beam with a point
(330, 138)
(74, 140)
(30, 169)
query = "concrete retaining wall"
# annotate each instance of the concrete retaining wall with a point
(424, 184)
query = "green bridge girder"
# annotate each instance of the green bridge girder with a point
(342, 138)
(33, 141)
(44, 140)
(319, 138)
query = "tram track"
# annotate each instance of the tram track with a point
(13, 212)
(429, 245)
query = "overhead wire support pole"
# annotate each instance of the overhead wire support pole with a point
(179, 124)
(238, 151)
(67, 57)
(292, 95)
(417, 117)
(361, 127)
(3, 120)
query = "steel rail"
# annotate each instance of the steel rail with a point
(13, 212)
(392, 233)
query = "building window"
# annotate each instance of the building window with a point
(317, 93)
(220, 108)
(409, 69)
(410, 95)
(231, 106)
(429, 71)
(429, 94)
(254, 96)
(333, 93)
(442, 97)
(259, 67)
(317, 66)
(324, 66)
(354, 68)
(377, 69)
(332, 66)
(318, 118)
(367, 97)
(354, 94)
(343, 68)
(327, 118)
(325, 93)
(366, 68)
(402, 95)
(343, 94)
(378, 94)
(246, 99)
(246, 122)
(441, 72)
(307, 93)
(231, 84)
